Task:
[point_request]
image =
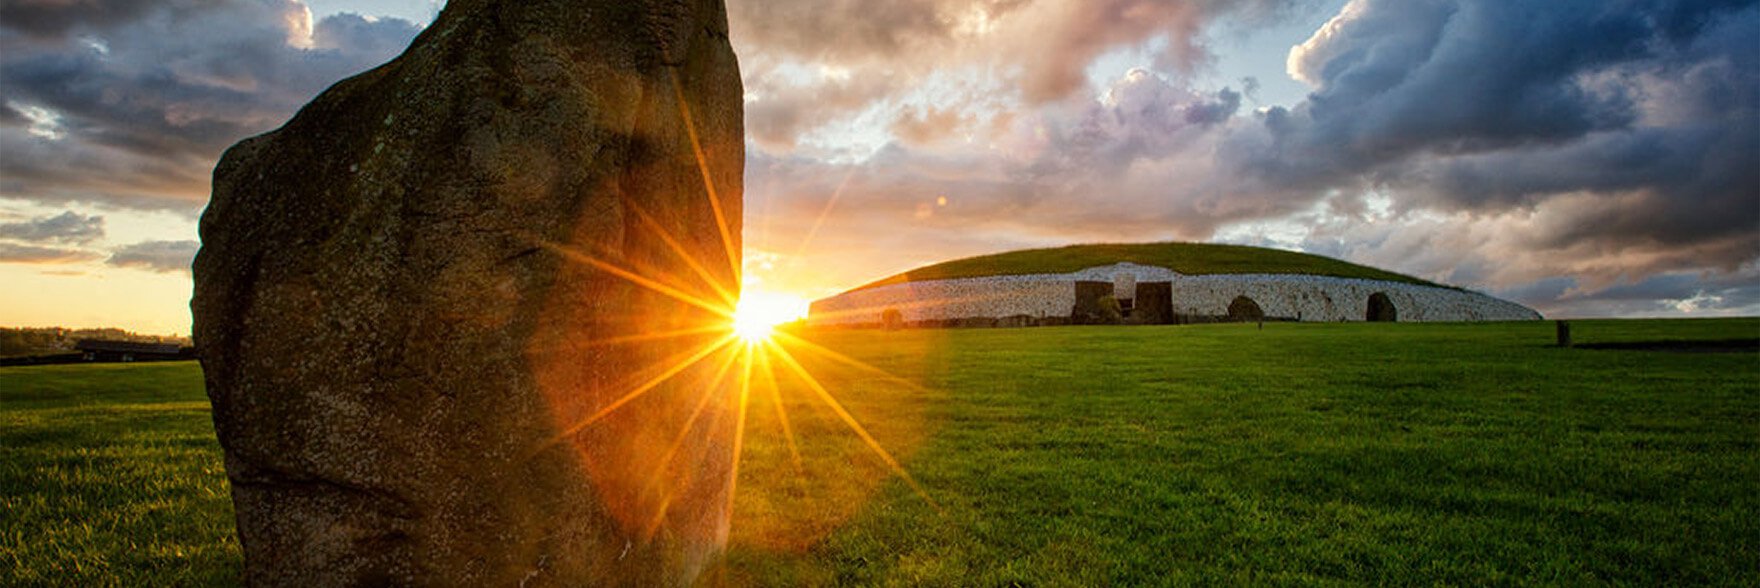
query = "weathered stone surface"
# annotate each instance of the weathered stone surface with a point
(406, 316)
(1154, 303)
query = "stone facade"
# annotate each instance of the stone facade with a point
(1036, 296)
(1053, 296)
(1328, 299)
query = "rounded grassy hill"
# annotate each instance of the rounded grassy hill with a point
(1185, 258)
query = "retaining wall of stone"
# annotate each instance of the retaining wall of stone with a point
(1327, 299)
(1037, 296)
(1285, 296)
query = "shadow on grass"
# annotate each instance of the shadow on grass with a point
(1719, 346)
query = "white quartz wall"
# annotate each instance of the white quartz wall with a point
(1107, 273)
(1312, 298)
(1318, 298)
(1040, 295)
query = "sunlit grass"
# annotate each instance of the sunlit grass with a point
(1455, 454)
(1311, 453)
(110, 476)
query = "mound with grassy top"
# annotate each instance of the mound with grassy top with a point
(1185, 258)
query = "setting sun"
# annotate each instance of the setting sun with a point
(759, 312)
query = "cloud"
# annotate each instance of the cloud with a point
(1490, 102)
(1393, 77)
(784, 103)
(354, 34)
(809, 64)
(1624, 152)
(52, 18)
(862, 29)
(1131, 165)
(1579, 155)
(920, 126)
(11, 116)
(1663, 294)
(1607, 142)
(67, 227)
(134, 101)
(1059, 43)
(32, 254)
(156, 256)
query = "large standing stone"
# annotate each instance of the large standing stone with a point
(408, 305)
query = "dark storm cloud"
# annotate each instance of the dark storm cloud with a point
(136, 102)
(10, 116)
(156, 256)
(1629, 131)
(1402, 79)
(67, 227)
(43, 18)
(1661, 294)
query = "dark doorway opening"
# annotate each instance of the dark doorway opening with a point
(1381, 309)
(1244, 309)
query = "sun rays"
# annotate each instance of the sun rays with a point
(705, 364)
(746, 355)
(694, 358)
(759, 313)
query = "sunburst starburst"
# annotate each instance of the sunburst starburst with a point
(699, 380)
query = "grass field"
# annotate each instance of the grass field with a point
(1185, 258)
(110, 476)
(1464, 454)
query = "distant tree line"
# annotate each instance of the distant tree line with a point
(16, 342)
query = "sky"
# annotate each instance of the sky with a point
(1582, 157)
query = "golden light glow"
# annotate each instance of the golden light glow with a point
(663, 427)
(738, 355)
(759, 312)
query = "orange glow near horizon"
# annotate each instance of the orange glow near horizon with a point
(758, 313)
(747, 364)
(679, 428)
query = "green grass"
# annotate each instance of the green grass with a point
(1462, 454)
(110, 476)
(1186, 258)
